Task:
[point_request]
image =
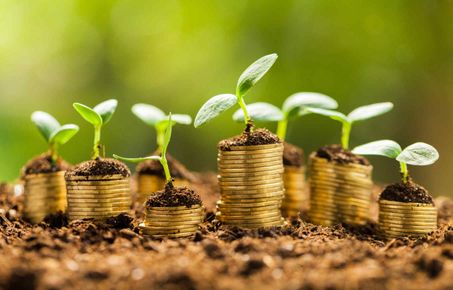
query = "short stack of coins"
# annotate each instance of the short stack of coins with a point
(97, 197)
(172, 222)
(402, 219)
(147, 183)
(251, 186)
(45, 193)
(296, 196)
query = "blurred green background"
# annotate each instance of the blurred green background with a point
(177, 54)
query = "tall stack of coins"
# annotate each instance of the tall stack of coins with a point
(97, 197)
(45, 193)
(147, 184)
(400, 219)
(296, 195)
(251, 186)
(172, 222)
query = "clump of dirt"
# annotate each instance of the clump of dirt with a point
(337, 154)
(44, 164)
(250, 138)
(153, 167)
(407, 192)
(100, 167)
(174, 196)
(292, 155)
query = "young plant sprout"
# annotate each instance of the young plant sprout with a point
(358, 114)
(55, 134)
(163, 155)
(98, 116)
(294, 106)
(156, 118)
(220, 103)
(419, 154)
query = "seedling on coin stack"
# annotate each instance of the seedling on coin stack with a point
(150, 174)
(45, 188)
(175, 212)
(341, 181)
(296, 195)
(99, 188)
(250, 165)
(405, 208)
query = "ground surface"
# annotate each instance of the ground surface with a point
(87, 255)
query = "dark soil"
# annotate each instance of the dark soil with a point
(255, 137)
(153, 167)
(409, 192)
(174, 196)
(100, 167)
(292, 155)
(43, 164)
(337, 154)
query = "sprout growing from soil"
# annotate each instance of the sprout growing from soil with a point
(220, 103)
(294, 106)
(420, 154)
(156, 118)
(55, 134)
(98, 117)
(163, 153)
(358, 114)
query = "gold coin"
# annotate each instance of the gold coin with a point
(230, 155)
(256, 164)
(261, 218)
(94, 184)
(406, 232)
(257, 147)
(274, 194)
(255, 226)
(246, 162)
(248, 178)
(175, 208)
(250, 183)
(96, 178)
(170, 222)
(251, 187)
(262, 169)
(407, 221)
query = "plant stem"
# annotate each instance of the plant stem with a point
(404, 172)
(164, 163)
(97, 142)
(244, 109)
(160, 138)
(281, 128)
(345, 133)
(53, 148)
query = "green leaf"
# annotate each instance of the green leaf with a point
(261, 112)
(149, 114)
(296, 103)
(387, 148)
(330, 113)
(167, 136)
(370, 111)
(419, 154)
(88, 114)
(254, 73)
(181, 119)
(106, 110)
(214, 107)
(137, 160)
(63, 134)
(46, 123)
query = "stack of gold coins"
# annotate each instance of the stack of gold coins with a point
(45, 193)
(172, 222)
(401, 219)
(251, 186)
(296, 196)
(97, 197)
(147, 184)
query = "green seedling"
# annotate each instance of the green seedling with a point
(220, 103)
(420, 154)
(358, 114)
(163, 155)
(156, 118)
(98, 116)
(294, 106)
(55, 134)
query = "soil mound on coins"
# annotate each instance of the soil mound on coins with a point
(256, 137)
(174, 196)
(292, 155)
(100, 167)
(337, 154)
(153, 167)
(43, 164)
(409, 192)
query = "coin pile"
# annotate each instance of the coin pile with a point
(296, 196)
(400, 219)
(251, 186)
(45, 193)
(97, 197)
(340, 193)
(147, 183)
(172, 222)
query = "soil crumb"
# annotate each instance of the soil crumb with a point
(43, 164)
(153, 167)
(292, 155)
(337, 154)
(100, 167)
(409, 192)
(174, 196)
(256, 137)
